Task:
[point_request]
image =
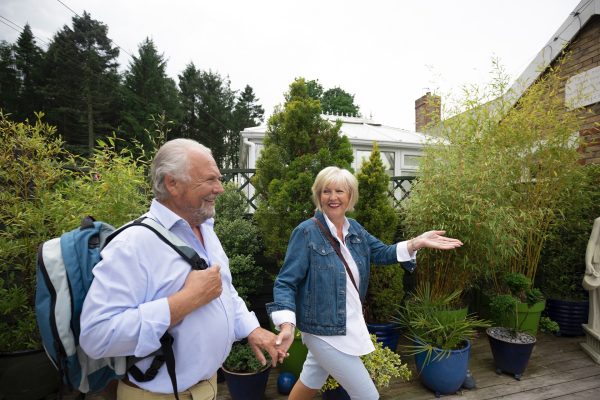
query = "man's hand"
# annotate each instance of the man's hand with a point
(200, 288)
(435, 240)
(262, 339)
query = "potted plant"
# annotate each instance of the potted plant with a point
(441, 342)
(45, 192)
(495, 176)
(562, 262)
(383, 365)
(246, 378)
(517, 315)
(376, 213)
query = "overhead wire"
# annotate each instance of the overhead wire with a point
(14, 26)
(20, 29)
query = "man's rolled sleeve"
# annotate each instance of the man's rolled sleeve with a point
(155, 320)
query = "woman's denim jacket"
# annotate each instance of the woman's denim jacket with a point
(312, 280)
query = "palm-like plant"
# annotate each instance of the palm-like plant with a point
(430, 330)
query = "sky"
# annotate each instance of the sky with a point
(387, 53)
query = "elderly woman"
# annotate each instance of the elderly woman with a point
(323, 279)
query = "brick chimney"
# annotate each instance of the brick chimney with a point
(428, 108)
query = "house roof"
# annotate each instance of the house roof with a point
(362, 131)
(576, 20)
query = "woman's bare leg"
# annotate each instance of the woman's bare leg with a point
(302, 392)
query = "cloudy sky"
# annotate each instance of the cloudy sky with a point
(385, 52)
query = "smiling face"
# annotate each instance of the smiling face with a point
(194, 199)
(334, 200)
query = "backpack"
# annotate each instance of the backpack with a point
(63, 277)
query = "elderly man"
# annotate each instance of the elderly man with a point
(142, 287)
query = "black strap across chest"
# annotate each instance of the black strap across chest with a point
(336, 247)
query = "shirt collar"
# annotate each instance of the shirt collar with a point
(332, 228)
(168, 218)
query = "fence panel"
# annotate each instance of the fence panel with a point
(399, 188)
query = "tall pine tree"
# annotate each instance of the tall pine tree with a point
(246, 113)
(148, 92)
(83, 89)
(9, 81)
(29, 64)
(208, 103)
(298, 144)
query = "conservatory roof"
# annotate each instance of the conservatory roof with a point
(362, 131)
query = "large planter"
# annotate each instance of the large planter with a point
(338, 393)
(528, 317)
(247, 386)
(27, 375)
(447, 374)
(511, 352)
(387, 334)
(569, 315)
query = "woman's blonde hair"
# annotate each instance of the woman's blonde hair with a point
(339, 176)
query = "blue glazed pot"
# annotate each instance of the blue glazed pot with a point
(510, 357)
(336, 394)
(387, 334)
(247, 386)
(446, 375)
(569, 315)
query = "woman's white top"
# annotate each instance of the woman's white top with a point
(356, 341)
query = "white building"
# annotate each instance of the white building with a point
(400, 149)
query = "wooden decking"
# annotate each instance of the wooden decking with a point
(558, 369)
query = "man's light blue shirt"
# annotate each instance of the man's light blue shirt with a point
(126, 311)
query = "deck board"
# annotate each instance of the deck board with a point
(558, 369)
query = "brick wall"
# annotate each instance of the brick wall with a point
(584, 52)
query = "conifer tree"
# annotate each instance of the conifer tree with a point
(149, 92)
(247, 113)
(9, 81)
(298, 144)
(376, 213)
(83, 87)
(208, 103)
(29, 64)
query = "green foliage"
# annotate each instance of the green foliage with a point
(246, 113)
(376, 213)
(385, 293)
(421, 316)
(382, 364)
(562, 262)
(547, 325)
(208, 102)
(339, 102)
(240, 240)
(242, 359)
(84, 99)
(374, 209)
(503, 304)
(32, 164)
(298, 144)
(517, 283)
(496, 177)
(45, 192)
(517, 289)
(231, 204)
(148, 92)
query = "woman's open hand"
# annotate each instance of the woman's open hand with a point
(435, 240)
